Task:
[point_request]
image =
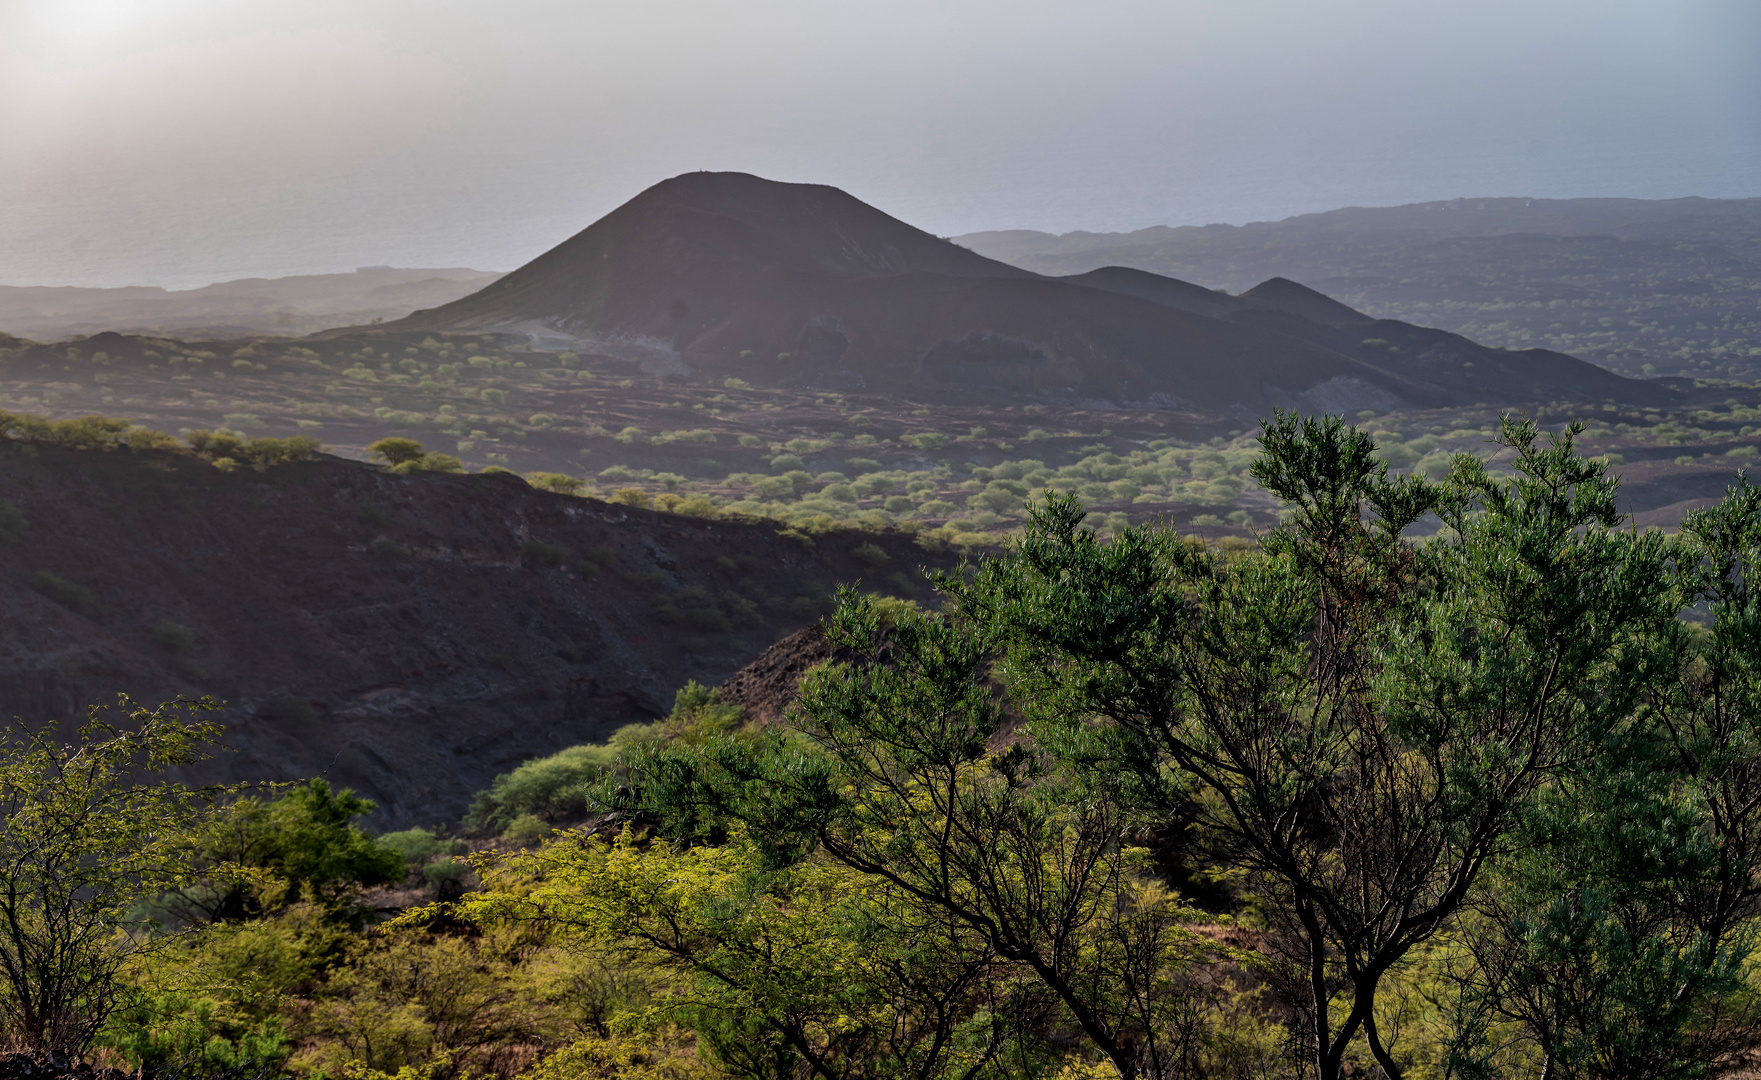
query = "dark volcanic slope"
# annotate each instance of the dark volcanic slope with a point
(409, 637)
(1436, 364)
(720, 274)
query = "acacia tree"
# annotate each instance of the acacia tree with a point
(88, 834)
(904, 769)
(1350, 721)
(801, 970)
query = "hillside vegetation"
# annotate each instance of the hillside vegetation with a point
(1345, 804)
(598, 426)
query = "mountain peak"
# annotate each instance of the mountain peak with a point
(720, 275)
(1292, 298)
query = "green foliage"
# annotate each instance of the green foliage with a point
(870, 554)
(799, 969)
(396, 450)
(535, 552)
(561, 483)
(59, 589)
(418, 846)
(1353, 728)
(174, 637)
(308, 845)
(90, 831)
(84, 433)
(225, 445)
(431, 461)
(557, 786)
(13, 524)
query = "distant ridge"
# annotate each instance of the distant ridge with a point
(250, 306)
(721, 274)
(1633, 285)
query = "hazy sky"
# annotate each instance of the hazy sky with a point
(177, 142)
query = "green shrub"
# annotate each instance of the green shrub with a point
(215, 444)
(699, 714)
(429, 462)
(417, 846)
(85, 433)
(262, 453)
(385, 547)
(446, 876)
(561, 483)
(13, 524)
(535, 552)
(63, 591)
(174, 637)
(307, 838)
(527, 829)
(555, 786)
(701, 506)
(871, 554)
(396, 451)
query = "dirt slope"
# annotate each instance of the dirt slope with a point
(722, 274)
(407, 636)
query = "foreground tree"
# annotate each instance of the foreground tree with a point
(804, 970)
(905, 770)
(89, 833)
(1349, 725)
(1616, 936)
(1352, 723)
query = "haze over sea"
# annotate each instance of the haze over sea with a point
(181, 142)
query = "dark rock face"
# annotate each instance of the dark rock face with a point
(722, 274)
(768, 687)
(406, 636)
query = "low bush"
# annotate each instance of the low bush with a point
(446, 877)
(427, 461)
(222, 445)
(561, 483)
(174, 637)
(85, 433)
(62, 591)
(556, 786)
(13, 523)
(418, 846)
(535, 552)
(870, 554)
